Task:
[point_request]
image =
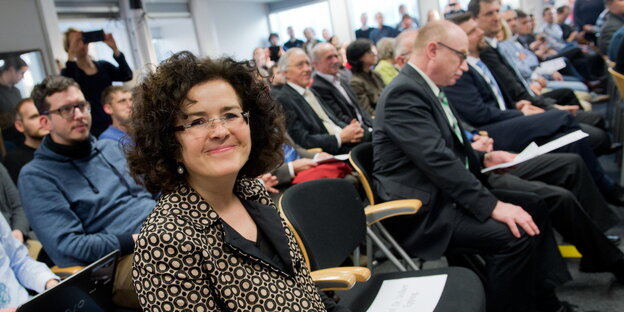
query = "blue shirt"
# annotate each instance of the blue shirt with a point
(385, 31)
(18, 270)
(83, 208)
(115, 134)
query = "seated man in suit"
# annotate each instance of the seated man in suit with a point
(486, 13)
(483, 103)
(420, 152)
(308, 120)
(561, 180)
(335, 92)
(76, 192)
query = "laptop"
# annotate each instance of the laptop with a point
(89, 290)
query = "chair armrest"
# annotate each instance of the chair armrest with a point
(376, 213)
(66, 272)
(315, 150)
(340, 278)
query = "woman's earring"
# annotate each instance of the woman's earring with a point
(180, 169)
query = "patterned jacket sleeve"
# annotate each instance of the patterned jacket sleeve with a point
(165, 271)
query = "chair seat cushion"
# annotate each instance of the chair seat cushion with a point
(463, 290)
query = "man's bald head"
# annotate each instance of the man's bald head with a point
(440, 51)
(433, 32)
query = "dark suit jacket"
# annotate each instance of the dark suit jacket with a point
(417, 155)
(304, 126)
(505, 76)
(336, 102)
(476, 104)
(475, 101)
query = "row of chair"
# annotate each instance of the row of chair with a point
(330, 221)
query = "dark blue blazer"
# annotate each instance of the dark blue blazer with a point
(476, 104)
(475, 101)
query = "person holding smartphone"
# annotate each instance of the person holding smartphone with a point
(93, 76)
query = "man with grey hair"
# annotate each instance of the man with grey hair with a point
(335, 91)
(309, 122)
(403, 47)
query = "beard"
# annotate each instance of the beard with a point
(37, 134)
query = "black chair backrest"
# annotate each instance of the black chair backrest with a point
(361, 157)
(328, 216)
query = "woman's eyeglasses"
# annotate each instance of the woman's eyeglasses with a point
(229, 121)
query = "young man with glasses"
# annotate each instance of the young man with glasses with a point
(76, 192)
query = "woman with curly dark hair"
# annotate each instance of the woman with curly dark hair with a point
(366, 83)
(203, 130)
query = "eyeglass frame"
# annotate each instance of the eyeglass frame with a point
(462, 55)
(210, 122)
(85, 104)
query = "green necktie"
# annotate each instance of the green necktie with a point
(451, 118)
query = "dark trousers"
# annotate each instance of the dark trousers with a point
(543, 128)
(590, 122)
(578, 58)
(568, 171)
(566, 212)
(517, 269)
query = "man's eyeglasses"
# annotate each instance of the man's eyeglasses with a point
(229, 121)
(68, 111)
(462, 55)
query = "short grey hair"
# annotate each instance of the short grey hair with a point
(283, 60)
(398, 46)
(385, 48)
(317, 50)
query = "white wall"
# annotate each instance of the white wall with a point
(23, 29)
(170, 35)
(340, 20)
(229, 27)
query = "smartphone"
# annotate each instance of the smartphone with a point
(93, 36)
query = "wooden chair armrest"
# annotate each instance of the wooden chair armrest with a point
(392, 208)
(315, 150)
(341, 278)
(66, 272)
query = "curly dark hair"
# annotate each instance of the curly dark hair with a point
(161, 97)
(355, 51)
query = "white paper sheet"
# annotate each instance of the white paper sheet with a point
(409, 294)
(341, 157)
(551, 66)
(532, 150)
